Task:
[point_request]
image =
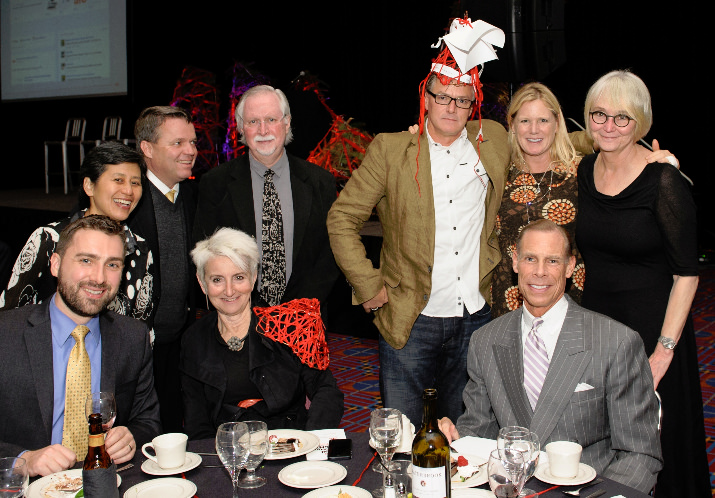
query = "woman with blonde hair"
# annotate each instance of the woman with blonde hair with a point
(636, 230)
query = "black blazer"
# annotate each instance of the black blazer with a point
(226, 200)
(281, 378)
(27, 382)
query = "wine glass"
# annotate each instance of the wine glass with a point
(259, 446)
(233, 442)
(506, 430)
(14, 477)
(528, 443)
(506, 472)
(102, 402)
(385, 435)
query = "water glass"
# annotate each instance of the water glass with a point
(233, 442)
(386, 436)
(506, 472)
(527, 442)
(14, 477)
(259, 446)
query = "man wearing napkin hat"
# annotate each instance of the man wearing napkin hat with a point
(56, 353)
(437, 195)
(564, 372)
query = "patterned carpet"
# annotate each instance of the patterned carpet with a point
(354, 363)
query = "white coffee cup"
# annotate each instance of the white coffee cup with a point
(170, 450)
(564, 458)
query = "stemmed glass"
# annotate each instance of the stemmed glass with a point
(527, 442)
(259, 446)
(506, 472)
(385, 435)
(233, 442)
(102, 402)
(14, 477)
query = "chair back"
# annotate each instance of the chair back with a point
(74, 131)
(112, 128)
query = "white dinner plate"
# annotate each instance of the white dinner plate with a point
(334, 491)
(477, 479)
(585, 474)
(472, 493)
(308, 440)
(35, 489)
(166, 487)
(312, 474)
(192, 461)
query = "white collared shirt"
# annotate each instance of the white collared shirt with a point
(459, 185)
(160, 185)
(550, 329)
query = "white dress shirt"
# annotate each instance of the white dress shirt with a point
(459, 184)
(160, 185)
(550, 329)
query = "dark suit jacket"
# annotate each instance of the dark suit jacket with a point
(226, 200)
(615, 420)
(27, 382)
(143, 222)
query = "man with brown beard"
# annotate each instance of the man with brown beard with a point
(56, 353)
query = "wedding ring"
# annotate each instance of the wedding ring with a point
(374, 309)
(672, 160)
(130, 447)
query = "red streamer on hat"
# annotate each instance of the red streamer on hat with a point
(298, 325)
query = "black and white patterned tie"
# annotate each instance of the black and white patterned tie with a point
(273, 276)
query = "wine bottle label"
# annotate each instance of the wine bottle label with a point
(96, 439)
(429, 483)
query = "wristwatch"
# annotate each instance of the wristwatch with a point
(667, 342)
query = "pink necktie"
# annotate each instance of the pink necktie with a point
(536, 363)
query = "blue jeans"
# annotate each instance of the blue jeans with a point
(435, 356)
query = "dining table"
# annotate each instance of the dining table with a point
(213, 481)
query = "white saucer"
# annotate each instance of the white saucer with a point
(192, 461)
(332, 492)
(159, 488)
(312, 474)
(585, 474)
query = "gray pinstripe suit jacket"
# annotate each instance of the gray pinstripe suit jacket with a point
(615, 422)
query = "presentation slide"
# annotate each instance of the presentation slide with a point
(63, 48)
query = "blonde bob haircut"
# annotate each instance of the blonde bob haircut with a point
(236, 245)
(627, 93)
(562, 151)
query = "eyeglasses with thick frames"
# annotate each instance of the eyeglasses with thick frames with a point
(443, 99)
(620, 120)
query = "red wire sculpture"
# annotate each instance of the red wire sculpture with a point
(298, 325)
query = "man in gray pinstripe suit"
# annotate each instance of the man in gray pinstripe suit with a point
(598, 389)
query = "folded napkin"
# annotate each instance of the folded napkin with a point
(408, 435)
(325, 435)
(477, 446)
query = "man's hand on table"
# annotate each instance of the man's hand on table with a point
(448, 429)
(48, 460)
(120, 444)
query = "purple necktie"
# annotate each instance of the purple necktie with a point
(536, 363)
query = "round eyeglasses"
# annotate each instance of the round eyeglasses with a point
(620, 120)
(443, 99)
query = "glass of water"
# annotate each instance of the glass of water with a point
(14, 477)
(258, 432)
(385, 435)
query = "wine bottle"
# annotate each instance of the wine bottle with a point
(99, 473)
(430, 454)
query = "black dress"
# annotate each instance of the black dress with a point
(632, 245)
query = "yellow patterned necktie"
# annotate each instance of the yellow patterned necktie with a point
(78, 386)
(170, 195)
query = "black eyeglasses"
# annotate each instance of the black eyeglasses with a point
(620, 120)
(443, 99)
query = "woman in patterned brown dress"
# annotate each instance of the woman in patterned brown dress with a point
(541, 183)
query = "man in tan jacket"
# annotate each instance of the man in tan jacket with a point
(437, 195)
